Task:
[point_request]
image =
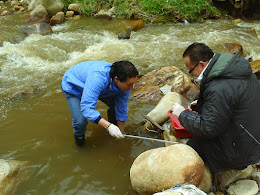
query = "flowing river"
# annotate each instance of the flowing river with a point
(35, 121)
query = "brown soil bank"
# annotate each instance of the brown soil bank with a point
(240, 8)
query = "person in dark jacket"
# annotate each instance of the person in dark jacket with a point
(86, 83)
(226, 124)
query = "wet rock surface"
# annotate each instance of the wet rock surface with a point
(147, 88)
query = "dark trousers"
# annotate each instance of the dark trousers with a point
(111, 113)
(197, 143)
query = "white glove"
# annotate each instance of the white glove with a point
(177, 109)
(192, 104)
(114, 131)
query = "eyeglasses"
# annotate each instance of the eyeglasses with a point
(193, 68)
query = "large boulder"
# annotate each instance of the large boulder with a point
(39, 15)
(51, 6)
(162, 168)
(33, 4)
(147, 88)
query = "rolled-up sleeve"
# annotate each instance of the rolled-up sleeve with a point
(215, 115)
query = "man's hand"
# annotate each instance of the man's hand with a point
(192, 104)
(177, 109)
(114, 131)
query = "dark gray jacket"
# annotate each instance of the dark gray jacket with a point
(229, 100)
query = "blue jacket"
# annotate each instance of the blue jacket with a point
(89, 81)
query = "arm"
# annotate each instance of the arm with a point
(113, 130)
(93, 86)
(215, 114)
(121, 125)
(103, 123)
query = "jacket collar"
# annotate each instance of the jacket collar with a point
(112, 86)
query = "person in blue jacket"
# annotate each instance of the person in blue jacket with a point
(87, 82)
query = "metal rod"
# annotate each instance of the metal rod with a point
(250, 134)
(152, 139)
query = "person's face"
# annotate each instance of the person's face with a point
(126, 85)
(195, 69)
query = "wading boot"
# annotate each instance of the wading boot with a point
(79, 139)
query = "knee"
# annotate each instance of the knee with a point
(80, 123)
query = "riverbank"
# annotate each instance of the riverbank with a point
(159, 11)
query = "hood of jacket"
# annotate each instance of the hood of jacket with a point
(229, 66)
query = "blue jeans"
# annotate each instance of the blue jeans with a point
(79, 122)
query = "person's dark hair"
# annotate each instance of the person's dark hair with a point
(198, 52)
(123, 70)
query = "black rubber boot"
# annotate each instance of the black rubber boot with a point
(79, 139)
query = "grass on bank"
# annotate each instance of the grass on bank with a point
(153, 10)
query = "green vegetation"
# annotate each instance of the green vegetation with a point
(153, 10)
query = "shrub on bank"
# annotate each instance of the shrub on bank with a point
(153, 10)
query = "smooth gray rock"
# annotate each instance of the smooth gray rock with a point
(243, 187)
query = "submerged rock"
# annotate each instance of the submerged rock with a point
(9, 171)
(124, 34)
(5, 12)
(14, 93)
(41, 28)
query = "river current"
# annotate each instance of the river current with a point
(35, 121)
